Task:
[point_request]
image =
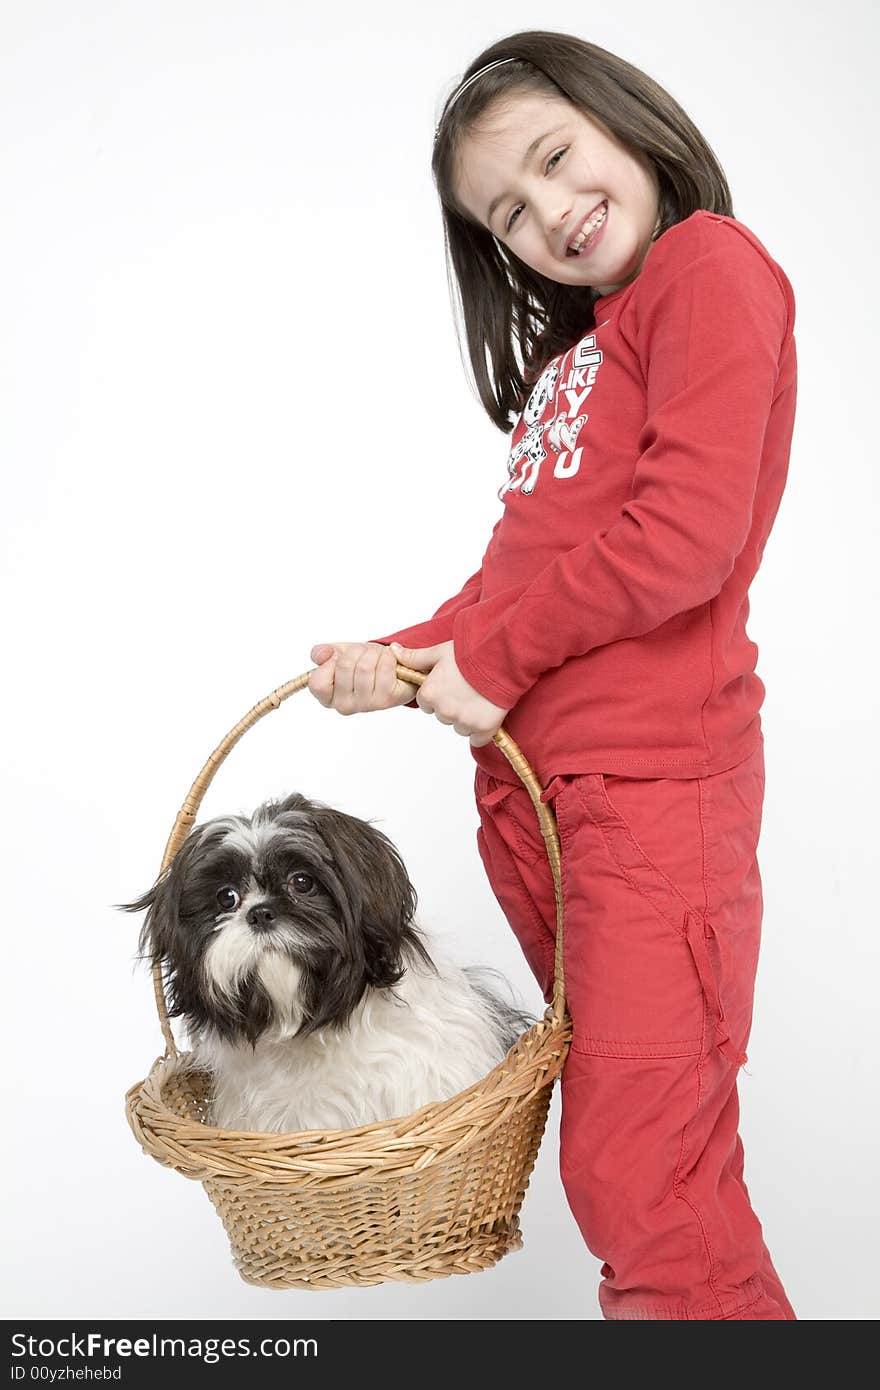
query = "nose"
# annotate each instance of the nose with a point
(556, 219)
(260, 917)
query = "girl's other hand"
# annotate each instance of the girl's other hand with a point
(446, 694)
(355, 677)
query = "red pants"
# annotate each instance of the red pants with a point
(662, 925)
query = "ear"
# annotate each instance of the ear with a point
(379, 891)
(162, 902)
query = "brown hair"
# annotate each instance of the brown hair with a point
(506, 305)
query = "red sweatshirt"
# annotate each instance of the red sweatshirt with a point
(609, 613)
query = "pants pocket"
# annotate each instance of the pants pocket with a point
(700, 932)
(514, 856)
(515, 816)
(636, 975)
(669, 863)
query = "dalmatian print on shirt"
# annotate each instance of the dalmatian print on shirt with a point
(557, 430)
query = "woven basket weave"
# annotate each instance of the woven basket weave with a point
(417, 1197)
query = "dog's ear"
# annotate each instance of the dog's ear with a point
(162, 903)
(378, 888)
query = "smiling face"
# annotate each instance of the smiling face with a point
(535, 199)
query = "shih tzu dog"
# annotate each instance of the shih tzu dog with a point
(288, 945)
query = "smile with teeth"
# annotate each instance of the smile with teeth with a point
(576, 246)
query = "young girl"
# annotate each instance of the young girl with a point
(591, 228)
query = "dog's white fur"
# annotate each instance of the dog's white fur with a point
(402, 1045)
(425, 1039)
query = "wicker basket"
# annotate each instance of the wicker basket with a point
(421, 1196)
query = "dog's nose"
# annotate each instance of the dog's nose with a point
(261, 916)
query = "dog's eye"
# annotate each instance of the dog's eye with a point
(300, 883)
(228, 898)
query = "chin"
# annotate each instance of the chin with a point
(289, 948)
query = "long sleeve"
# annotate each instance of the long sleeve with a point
(709, 338)
(438, 628)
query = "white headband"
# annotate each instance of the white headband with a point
(465, 85)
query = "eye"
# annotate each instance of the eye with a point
(228, 899)
(551, 164)
(300, 883)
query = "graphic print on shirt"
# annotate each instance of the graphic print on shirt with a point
(561, 427)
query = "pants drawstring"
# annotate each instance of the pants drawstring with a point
(555, 785)
(496, 794)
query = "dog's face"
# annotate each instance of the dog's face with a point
(279, 922)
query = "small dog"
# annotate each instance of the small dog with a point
(288, 944)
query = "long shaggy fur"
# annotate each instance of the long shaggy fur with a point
(289, 946)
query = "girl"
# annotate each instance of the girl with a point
(591, 228)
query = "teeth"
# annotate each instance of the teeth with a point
(588, 227)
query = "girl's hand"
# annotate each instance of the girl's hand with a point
(354, 677)
(446, 693)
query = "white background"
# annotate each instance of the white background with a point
(236, 422)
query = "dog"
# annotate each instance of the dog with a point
(288, 944)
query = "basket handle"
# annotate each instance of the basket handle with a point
(186, 816)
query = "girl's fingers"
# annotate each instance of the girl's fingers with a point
(355, 679)
(363, 682)
(386, 677)
(322, 682)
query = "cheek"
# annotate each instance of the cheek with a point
(533, 250)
